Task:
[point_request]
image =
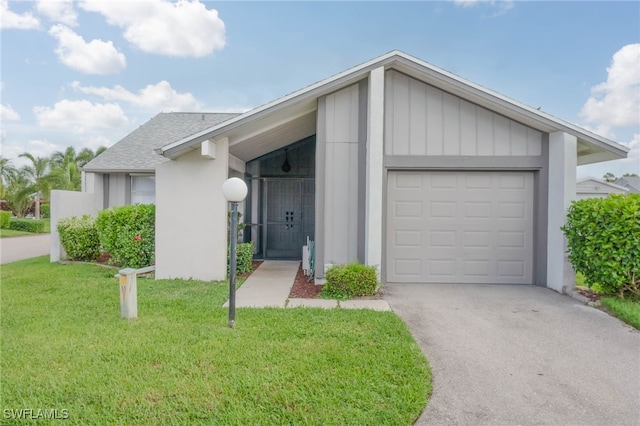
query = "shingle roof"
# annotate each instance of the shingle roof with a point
(631, 182)
(135, 151)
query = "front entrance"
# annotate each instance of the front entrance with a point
(288, 216)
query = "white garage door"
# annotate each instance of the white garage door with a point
(459, 227)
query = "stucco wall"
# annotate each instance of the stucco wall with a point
(67, 204)
(191, 217)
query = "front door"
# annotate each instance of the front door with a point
(289, 216)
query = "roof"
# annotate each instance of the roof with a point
(134, 153)
(582, 185)
(275, 120)
(631, 182)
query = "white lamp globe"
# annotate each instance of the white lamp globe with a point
(234, 189)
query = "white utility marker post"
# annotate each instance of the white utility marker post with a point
(129, 290)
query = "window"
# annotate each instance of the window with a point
(143, 189)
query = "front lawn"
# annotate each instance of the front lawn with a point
(64, 346)
(8, 233)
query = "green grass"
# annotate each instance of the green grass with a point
(64, 346)
(627, 310)
(8, 233)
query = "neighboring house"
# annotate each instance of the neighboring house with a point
(632, 183)
(596, 188)
(395, 163)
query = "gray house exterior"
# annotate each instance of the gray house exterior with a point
(597, 188)
(632, 183)
(395, 163)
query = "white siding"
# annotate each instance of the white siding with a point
(423, 120)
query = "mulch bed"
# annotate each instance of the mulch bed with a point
(589, 294)
(302, 289)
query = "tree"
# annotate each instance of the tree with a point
(609, 177)
(630, 175)
(66, 166)
(37, 173)
(7, 174)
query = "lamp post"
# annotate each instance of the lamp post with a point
(234, 190)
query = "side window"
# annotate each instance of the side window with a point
(143, 189)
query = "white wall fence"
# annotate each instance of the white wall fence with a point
(67, 204)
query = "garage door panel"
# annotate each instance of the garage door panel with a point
(460, 227)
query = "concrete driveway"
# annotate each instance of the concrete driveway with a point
(507, 355)
(18, 248)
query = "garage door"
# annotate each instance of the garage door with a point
(459, 227)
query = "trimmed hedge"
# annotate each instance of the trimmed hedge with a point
(128, 234)
(79, 238)
(27, 225)
(244, 253)
(45, 211)
(351, 280)
(603, 236)
(5, 219)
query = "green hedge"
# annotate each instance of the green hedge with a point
(27, 225)
(351, 280)
(244, 253)
(128, 234)
(5, 219)
(603, 237)
(45, 211)
(79, 238)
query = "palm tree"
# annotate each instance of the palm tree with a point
(7, 174)
(37, 174)
(65, 167)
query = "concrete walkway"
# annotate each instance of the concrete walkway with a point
(270, 284)
(18, 248)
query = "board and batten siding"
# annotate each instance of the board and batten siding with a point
(423, 120)
(339, 139)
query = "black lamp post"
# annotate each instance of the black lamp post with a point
(234, 190)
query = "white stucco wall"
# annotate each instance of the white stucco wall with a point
(562, 190)
(375, 169)
(67, 204)
(191, 216)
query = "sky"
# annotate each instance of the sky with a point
(87, 73)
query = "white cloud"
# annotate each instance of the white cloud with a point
(58, 11)
(81, 116)
(616, 102)
(154, 97)
(20, 21)
(36, 147)
(95, 57)
(183, 28)
(8, 114)
(501, 6)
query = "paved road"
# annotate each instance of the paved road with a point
(506, 355)
(18, 248)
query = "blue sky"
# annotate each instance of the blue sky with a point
(87, 73)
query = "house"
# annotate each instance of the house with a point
(395, 163)
(596, 188)
(632, 183)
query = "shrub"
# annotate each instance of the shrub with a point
(5, 219)
(45, 211)
(244, 253)
(128, 234)
(79, 238)
(27, 225)
(351, 280)
(603, 236)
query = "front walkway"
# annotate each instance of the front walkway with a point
(269, 286)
